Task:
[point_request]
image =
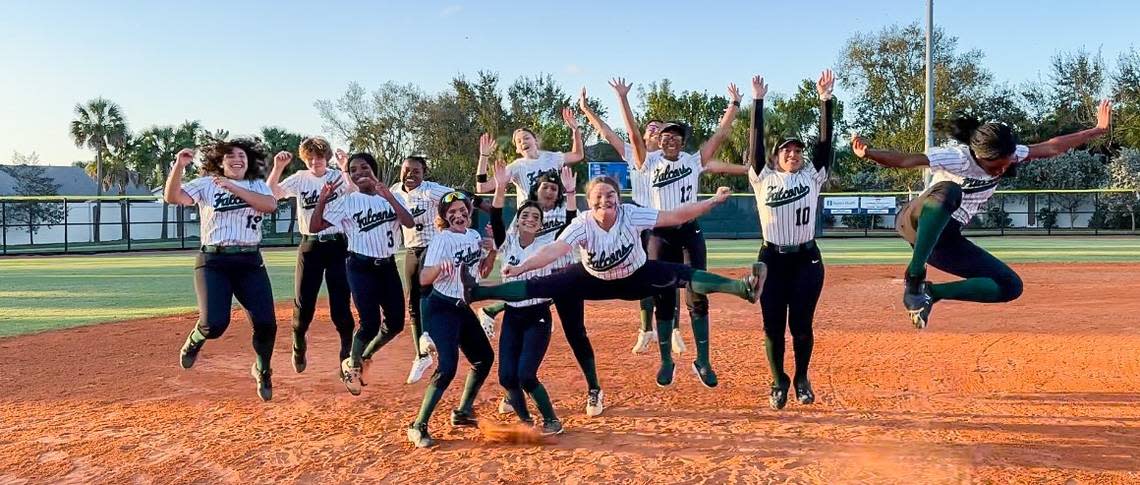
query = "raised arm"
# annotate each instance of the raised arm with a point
(487, 147)
(1061, 144)
(569, 184)
(498, 225)
(172, 193)
(259, 202)
(317, 222)
(756, 156)
(280, 163)
(887, 158)
(622, 90)
(603, 129)
(709, 148)
(692, 210)
(577, 152)
(823, 151)
(402, 215)
(717, 166)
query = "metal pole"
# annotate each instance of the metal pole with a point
(65, 225)
(4, 220)
(929, 108)
(127, 227)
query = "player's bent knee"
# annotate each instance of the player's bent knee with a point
(529, 383)
(1011, 287)
(948, 194)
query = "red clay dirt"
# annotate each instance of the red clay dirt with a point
(1041, 390)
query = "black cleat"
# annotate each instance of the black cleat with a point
(299, 361)
(778, 398)
(419, 436)
(551, 427)
(705, 373)
(264, 384)
(189, 353)
(665, 374)
(804, 394)
(468, 282)
(918, 303)
(463, 419)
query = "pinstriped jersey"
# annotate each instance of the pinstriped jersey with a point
(612, 254)
(226, 220)
(423, 203)
(369, 221)
(638, 180)
(306, 187)
(672, 182)
(525, 172)
(954, 163)
(464, 250)
(513, 253)
(787, 203)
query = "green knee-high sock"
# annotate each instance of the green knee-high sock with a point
(542, 402)
(705, 283)
(432, 396)
(982, 290)
(263, 345)
(647, 314)
(518, 401)
(512, 291)
(495, 309)
(471, 389)
(931, 222)
(775, 352)
(701, 336)
(665, 339)
(677, 310)
(364, 350)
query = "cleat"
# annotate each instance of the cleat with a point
(804, 393)
(505, 406)
(665, 374)
(418, 435)
(299, 361)
(419, 366)
(551, 427)
(644, 339)
(778, 398)
(189, 353)
(264, 384)
(755, 282)
(427, 345)
(463, 419)
(918, 303)
(350, 375)
(595, 402)
(487, 321)
(678, 342)
(705, 373)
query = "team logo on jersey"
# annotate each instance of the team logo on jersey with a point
(603, 261)
(309, 199)
(371, 220)
(664, 177)
(418, 211)
(550, 226)
(534, 176)
(971, 186)
(466, 257)
(225, 202)
(778, 196)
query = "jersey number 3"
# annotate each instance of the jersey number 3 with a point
(802, 216)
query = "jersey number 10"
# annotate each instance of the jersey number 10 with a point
(803, 215)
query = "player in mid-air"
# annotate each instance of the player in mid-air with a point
(787, 197)
(614, 265)
(321, 253)
(232, 199)
(371, 218)
(964, 176)
(533, 162)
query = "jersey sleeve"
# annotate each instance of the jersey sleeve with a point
(693, 161)
(260, 187)
(948, 159)
(289, 185)
(819, 175)
(435, 252)
(575, 232)
(337, 212)
(437, 191)
(555, 158)
(197, 188)
(641, 218)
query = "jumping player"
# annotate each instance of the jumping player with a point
(613, 263)
(965, 175)
(321, 253)
(533, 163)
(787, 197)
(371, 218)
(675, 177)
(232, 199)
(455, 254)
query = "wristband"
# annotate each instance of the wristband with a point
(481, 177)
(736, 103)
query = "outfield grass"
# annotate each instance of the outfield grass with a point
(44, 293)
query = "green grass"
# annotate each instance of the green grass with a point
(44, 293)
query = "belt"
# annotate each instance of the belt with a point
(322, 237)
(791, 248)
(373, 261)
(214, 249)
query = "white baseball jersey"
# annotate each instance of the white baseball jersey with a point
(226, 220)
(423, 203)
(513, 253)
(525, 172)
(306, 187)
(616, 253)
(369, 221)
(639, 181)
(464, 250)
(787, 203)
(954, 163)
(553, 221)
(672, 183)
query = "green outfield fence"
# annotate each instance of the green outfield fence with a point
(66, 225)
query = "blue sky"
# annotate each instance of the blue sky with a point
(242, 65)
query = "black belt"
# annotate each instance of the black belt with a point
(215, 249)
(322, 237)
(373, 261)
(791, 248)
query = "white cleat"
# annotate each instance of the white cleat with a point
(488, 324)
(505, 407)
(426, 344)
(595, 403)
(644, 340)
(678, 342)
(351, 376)
(419, 366)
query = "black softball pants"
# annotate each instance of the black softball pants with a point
(218, 279)
(317, 260)
(376, 291)
(791, 291)
(675, 245)
(413, 264)
(523, 343)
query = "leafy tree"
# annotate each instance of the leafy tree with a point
(99, 125)
(1073, 170)
(376, 122)
(32, 180)
(1126, 92)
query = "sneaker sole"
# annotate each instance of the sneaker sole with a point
(672, 379)
(257, 386)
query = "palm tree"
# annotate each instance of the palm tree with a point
(118, 172)
(162, 144)
(277, 140)
(100, 126)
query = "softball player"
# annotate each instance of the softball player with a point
(965, 175)
(675, 177)
(787, 198)
(321, 253)
(613, 263)
(232, 200)
(454, 254)
(371, 218)
(534, 163)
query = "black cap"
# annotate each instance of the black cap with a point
(790, 140)
(677, 128)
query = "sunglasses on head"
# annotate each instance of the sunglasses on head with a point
(454, 196)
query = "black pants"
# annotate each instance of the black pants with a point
(675, 245)
(454, 327)
(376, 290)
(317, 260)
(413, 264)
(651, 279)
(218, 279)
(788, 301)
(522, 345)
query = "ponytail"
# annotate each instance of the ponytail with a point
(962, 128)
(988, 141)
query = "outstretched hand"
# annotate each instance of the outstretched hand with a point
(621, 87)
(858, 146)
(502, 178)
(569, 181)
(184, 158)
(1104, 114)
(759, 88)
(734, 94)
(570, 118)
(487, 145)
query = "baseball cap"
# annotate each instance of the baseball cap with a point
(678, 128)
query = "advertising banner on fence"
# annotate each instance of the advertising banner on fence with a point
(840, 205)
(618, 170)
(878, 205)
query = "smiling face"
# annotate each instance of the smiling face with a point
(671, 144)
(235, 163)
(412, 173)
(603, 199)
(529, 221)
(791, 157)
(317, 164)
(362, 175)
(458, 217)
(547, 194)
(652, 135)
(526, 145)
